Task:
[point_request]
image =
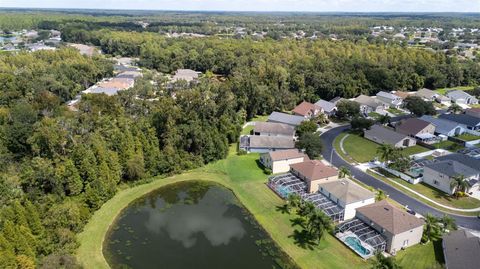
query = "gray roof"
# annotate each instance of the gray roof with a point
(274, 142)
(426, 93)
(461, 250)
(442, 126)
(327, 106)
(462, 119)
(347, 191)
(452, 168)
(274, 128)
(368, 101)
(461, 158)
(385, 135)
(107, 91)
(387, 95)
(285, 118)
(458, 94)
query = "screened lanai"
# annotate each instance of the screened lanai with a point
(364, 232)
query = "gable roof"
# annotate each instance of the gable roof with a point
(442, 126)
(426, 93)
(461, 158)
(286, 154)
(385, 134)
(389, 217)
(275, 142)
(336, 100)
(314, 170)
(387, 95)
(461, 250)
(285, 118)
(412, 126)
(458, 94)
(305, 108)
(368, 101)
(402, 94)
(461, 118)
(326, 106)
(274, 128)
(347, 191)
(452, 168)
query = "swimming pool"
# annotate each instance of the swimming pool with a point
(356, 245)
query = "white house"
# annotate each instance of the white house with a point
(461, 97)
(391, 100)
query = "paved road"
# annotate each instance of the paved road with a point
(418, 206)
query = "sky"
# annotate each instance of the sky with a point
(260, 5)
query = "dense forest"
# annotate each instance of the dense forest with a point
(58, 166)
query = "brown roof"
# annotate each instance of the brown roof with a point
(274, 128)
(118, 83)
(314, 170)
(305, 108)
(412, 126)
(389, 217)
(286, 154)
(401, 94)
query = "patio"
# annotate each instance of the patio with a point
(369, 238)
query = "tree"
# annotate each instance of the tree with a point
(317, 224)
(432, 229)
(294, 201)
(448, 223)
(455, 108)
(343, 171)
(361, 124)
(386, 152)
(458, 185)
(384, 119)
(418, 106)
(382, 262)
(347, 109)
(321, 119)
(401, 163)
(305, 127)
(306, 209)
(380, 195)
(311, 143)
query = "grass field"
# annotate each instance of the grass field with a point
(463, 88)
(242, 175)
(429, 255)
(468, 137)
(414, 150)
(247, 130)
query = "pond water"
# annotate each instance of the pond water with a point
(190, 225)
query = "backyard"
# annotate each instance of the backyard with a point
(448, 145)
(429, 255)
(443, 91)
(468, 137)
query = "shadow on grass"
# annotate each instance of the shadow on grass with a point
(437, 246)
(282, 209)
(298, 222)
(303, 239)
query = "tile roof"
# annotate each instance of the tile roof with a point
(326, 106)
(384, 134)
(274, 128)
(402, 94)
(461, 250)
(412, 126)
(314, 170)
(389, 217)
(286, 154)
(285, 118)
(347, 191)
(306, 109)
(461, 118)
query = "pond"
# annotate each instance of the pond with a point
(190, 225)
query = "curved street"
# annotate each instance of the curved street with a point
(330, 154)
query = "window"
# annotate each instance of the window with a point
(405, 243)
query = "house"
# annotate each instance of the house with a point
(273, 129)
(461, 97)
(130, 74)
(445, 127)
(336, 100)
(348, 194)
(307, 110)
(440, 174)
(117, 83)
(427, 95)
(280, 117)
(382, 135)
(461, 250)
(474, 112)
(391, 100)
(187, 75)
(314, 173)
(369, 104)
(402, 94)
(399, 228)
(262, 144)
(279, 161)
(328, 108)
(418, 129)
(85, 49)
(471, 122)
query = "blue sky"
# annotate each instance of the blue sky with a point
(260, 5)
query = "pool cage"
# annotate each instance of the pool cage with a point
(364, 232)
(286, 184)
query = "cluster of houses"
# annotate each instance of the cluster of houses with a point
(29, 40)
(363, 225)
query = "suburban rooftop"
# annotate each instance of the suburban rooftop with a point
(314, 170)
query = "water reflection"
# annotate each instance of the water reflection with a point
(184, 222)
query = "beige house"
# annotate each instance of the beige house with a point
(314, 173)
(347, 194)
(280, 161)
(382, 135)
(399, 228)
(440, 175)
(419, 129)
(307, 110)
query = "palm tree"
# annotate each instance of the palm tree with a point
(343, 171)
(293, 201)
(458, 185)
(448, 223)
(321, 119)
(306, 209)
(384, 119)
(455, 108)
(432, 229)
(318, 223)
(382, 262)
(386, 151)
(380, 195)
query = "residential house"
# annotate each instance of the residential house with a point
(471, 122)
(273, 129)
(474, 112)
(461, 97)
(328, 108)
(391, 100)
(399, 228)
(382, 135)
(314, 173)
(445, 127)
(280, 117)
(130, 74)
(440, 174)
(262, 144)
(461, 250)
(369, 104)
(419, 129)
(187, 75)
(336, 100)
(307, 110)
(431, 96)
(402, 94)
(85, 49)
(279, 161)
(348, 194)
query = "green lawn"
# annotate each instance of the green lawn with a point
(247, 130)
(448, 145)
(243, 176)
(396, 111)
(260, 118)
(468, 137)
(414, 150)
(429, 255)
(374, 115)
(462, 88)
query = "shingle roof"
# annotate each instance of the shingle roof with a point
(347, 191)
(336, 100)
(325, 105)
(305, 108)
(452, 168)
(287, 154)
(385, 135)
(461, 158)
(461, 118)
(277, 142)
(274, 128)
(314, 170)
(412, 126)
(458, 94)
(461, 250)
(285, 118)
(442, 126)
(426, 93)
(368, 101)
(389, 217)
(387, 95)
